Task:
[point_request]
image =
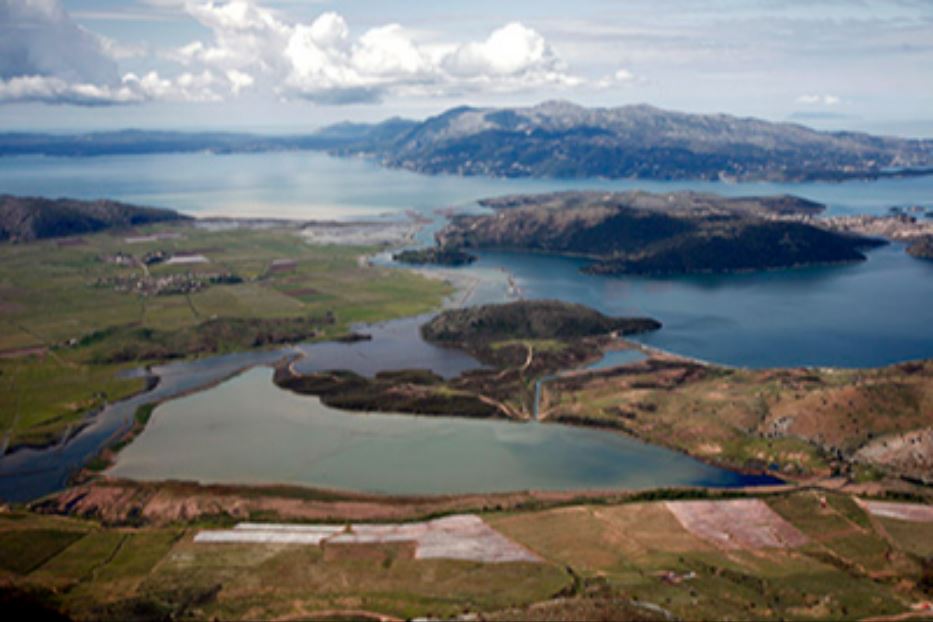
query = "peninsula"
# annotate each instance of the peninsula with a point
(643, 233)
(517, 342)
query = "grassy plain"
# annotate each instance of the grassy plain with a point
(56, 319)
(633, 559)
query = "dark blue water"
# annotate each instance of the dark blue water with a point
(860, 315)
(873, 313)
(867, 314)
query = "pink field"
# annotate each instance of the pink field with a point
(736, 524)
(904, 511)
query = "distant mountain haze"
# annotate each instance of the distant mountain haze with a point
(554, 139)
(560, 139)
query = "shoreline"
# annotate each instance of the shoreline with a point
(172, 501)
(464, 287)
(616, 345)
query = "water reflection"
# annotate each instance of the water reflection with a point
(261, 434)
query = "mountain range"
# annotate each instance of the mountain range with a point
(555, 139)
(560, 139)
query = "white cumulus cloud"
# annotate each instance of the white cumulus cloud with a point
(322, 61)
(45, 56)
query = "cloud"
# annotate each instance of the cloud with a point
(46, 57)
(322, 62)
(131, 89)
(620, 77)
(509, 50)
(818, 100)
(38, 38)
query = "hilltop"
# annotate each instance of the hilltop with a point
(527, 319)
(554, 139)
(24, 219)
(564, 140)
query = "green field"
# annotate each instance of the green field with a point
(51, 298)
(602, 561)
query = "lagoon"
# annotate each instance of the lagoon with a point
(869, 314)
(249, 431)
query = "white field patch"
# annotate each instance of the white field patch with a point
(360, 234)
(155, 237)
(912, 512)
(464, 537)
(186, 259)
(736, 524)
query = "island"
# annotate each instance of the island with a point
(845, 533)
(797, 423)
(659, 234)
(517, 342)
(436, 256)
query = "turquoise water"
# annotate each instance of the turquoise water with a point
(866, 314)
(615, 358)
(247, 430)
(313, 185)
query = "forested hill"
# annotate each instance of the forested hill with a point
(23, 219)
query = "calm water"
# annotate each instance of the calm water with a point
(29, 473)
(395, 345)
(260, 434)
(868, 314)
(862, 315)
(312, 185)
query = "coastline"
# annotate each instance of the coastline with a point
(119, 501)
(464, 289)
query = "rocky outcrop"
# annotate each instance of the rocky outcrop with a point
(922, 248)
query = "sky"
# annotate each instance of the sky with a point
(294, 65)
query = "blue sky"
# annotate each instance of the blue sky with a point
(286, 65)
